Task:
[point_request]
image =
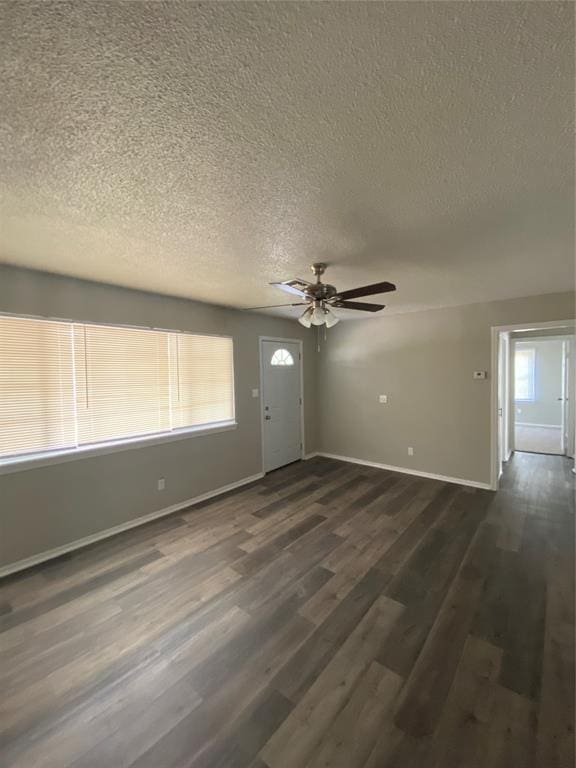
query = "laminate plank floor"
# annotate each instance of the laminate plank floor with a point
(327, 615)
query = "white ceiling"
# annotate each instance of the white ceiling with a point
(203, 150)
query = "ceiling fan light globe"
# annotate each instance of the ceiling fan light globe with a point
(305, 318)
(317, 316)
(331, 319)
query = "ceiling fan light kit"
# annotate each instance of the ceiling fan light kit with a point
(321, 297)
(319, 314)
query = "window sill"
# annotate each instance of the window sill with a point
(23, 463)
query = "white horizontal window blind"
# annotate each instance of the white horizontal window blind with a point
(36, 386)
(204, 380)
(67, 385)
(122, 382)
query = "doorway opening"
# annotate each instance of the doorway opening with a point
(539, 393)
(533, 399)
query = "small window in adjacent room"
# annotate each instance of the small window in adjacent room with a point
(524, 373)
(282, 357)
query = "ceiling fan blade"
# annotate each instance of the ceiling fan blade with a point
(297, 287)
(367, 290)
(271, 306)
(358, 305)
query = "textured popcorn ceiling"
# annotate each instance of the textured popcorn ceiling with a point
(205, 149)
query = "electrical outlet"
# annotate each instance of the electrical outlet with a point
(382, 398)
(410, 451)
(161, 483)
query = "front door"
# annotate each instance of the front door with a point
(281, 403)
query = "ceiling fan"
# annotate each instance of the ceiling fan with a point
(321, 297)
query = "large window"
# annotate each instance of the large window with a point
(524, 373)
(68, 385)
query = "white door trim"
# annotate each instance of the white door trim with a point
(504, 353)
(280, 339)
(496, 330)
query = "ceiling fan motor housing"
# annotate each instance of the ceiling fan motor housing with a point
(321, 291)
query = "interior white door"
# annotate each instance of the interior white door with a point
(568, 399)
(281, 403)
(571, 416)
(564, 398)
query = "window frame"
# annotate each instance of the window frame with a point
(532, 380)
(283, 362)
(26, 461)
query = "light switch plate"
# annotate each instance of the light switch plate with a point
(479, 374)
(382, 398)
(255, 393)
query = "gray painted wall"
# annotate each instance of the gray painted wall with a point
(424, 362)
(47, 507)
(546, 408)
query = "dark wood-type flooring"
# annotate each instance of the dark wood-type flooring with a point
(327, 615)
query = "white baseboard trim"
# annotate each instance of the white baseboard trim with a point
(50, 554)
(544, 426)
(310, 455)
(407, 471)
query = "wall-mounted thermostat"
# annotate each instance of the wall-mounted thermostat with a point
(479, 374)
